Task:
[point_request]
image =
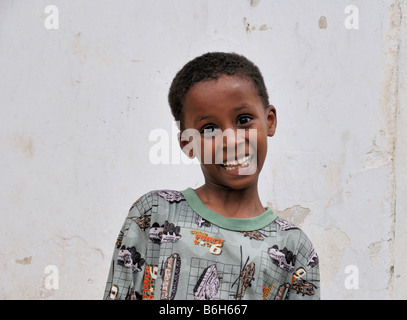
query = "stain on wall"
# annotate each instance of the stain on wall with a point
(254, 3)
(250, 27)
(24, 261)
(24, 144)
(390, 106)
(322, 23)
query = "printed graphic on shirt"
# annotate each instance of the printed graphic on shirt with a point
(165, 233)
(282, 292)
(303, 287)
(203, 239)
(132, 295)
(266, 291)
(130, 258)
(170, 276)
(212, 280)
(114, 288)
(284, 258)
(208, 284)
(285, 225)
(313, 259)
(143, 222)
(245, 278)
(120, 239)
(114, 291)
(256, 235)
(150, 277)
(300, 284)
(201, 222)
(171, 195)
(300, 272)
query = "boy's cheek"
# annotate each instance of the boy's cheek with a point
(190, 143)
(199, 149)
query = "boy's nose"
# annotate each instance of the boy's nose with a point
(229, 137)
(233, 136)
(233, 143)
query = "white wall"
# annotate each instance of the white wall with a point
(78, 104)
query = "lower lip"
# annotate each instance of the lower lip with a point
(247, 168)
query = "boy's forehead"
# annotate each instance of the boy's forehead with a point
(224, 87)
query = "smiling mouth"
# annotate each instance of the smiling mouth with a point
(237, 164)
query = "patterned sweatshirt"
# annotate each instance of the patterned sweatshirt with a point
(171, 246)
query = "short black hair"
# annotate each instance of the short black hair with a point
(210, 66)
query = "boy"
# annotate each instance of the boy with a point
(217, 241)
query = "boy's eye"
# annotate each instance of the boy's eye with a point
(244, 119)
(210, 129)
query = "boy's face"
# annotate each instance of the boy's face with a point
(231, 126)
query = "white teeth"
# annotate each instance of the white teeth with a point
(241, 163)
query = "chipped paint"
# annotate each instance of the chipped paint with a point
(374, 249)
(295, 214)
(331, 244)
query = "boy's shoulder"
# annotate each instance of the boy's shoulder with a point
(150, 199)
(293, 234)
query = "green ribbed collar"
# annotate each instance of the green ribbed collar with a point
(235, 224)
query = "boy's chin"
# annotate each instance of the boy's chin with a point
(240, 184)
(235, 179)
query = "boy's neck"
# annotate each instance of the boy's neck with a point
(230, 203)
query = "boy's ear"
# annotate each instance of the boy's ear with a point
(271, 115)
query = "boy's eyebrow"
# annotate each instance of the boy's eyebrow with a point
(210, 116)
(240, 108)
(203, 118)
